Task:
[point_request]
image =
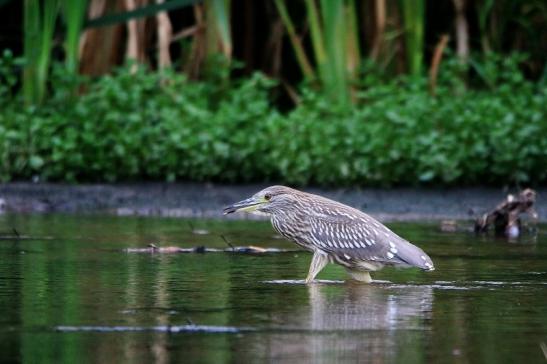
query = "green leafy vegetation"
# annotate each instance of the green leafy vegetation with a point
(161, 126)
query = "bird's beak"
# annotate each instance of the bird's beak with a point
(248, 205)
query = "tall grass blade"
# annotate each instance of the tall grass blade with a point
(353, 58)
(218, 27)
(301, 57)
(318, 41)
(50, 11)
(74, 14)
(334, 21)
(39, 26)
(414, 19)
(31, 25)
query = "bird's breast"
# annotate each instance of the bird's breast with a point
(292, 228)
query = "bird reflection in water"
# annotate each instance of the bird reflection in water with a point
(362, 307)
(362, 323)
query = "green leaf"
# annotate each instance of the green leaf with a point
(36, 162)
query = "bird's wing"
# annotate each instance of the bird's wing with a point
(361, 237)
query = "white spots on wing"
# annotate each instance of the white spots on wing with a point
(317, 241)
(393, 248)
(347, 257)
(351, 217)
(389, 255)
(423, 257)
(320, 242)
(429, 266)
(344, 213)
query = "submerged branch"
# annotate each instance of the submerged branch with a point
(250, 249)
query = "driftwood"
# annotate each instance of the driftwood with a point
(505, 217)
(251, 249)
(15, 235)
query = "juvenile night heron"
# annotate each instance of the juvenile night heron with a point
(334, 232)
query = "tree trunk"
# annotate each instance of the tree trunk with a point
(136, 34)
(462, 32)
(379, 28)
(100, 47)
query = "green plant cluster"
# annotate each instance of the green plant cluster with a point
(161, 126)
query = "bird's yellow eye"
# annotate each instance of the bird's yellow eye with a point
(267, 197)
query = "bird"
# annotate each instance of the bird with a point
(333, 232)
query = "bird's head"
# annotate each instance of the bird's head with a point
(270, 200)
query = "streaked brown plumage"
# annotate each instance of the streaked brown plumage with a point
(334, 232)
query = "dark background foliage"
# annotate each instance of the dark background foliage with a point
(247, 95)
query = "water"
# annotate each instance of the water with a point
(69, 293)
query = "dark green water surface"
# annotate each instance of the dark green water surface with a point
(70, 294)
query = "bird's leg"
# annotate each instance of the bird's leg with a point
(318, 262)
(360, 275)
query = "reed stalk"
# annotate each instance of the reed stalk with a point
(39, 26)
(219, 36)
(301, 57)
(414, 21)
(73, 14)
(335, 43)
